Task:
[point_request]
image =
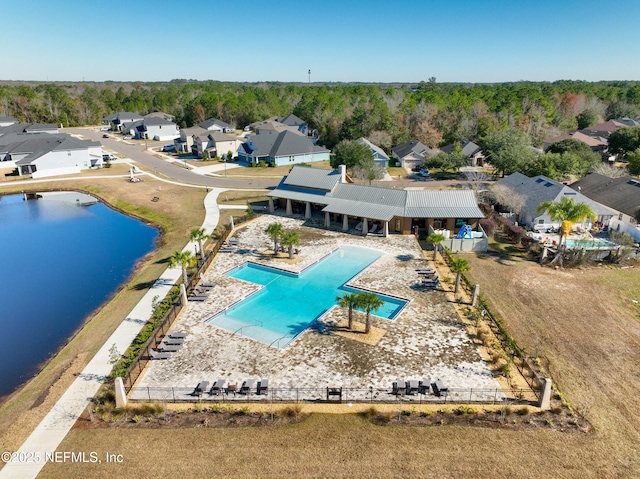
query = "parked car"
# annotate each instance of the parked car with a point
(104, 128)
(126, 137)
(170, 147)
(416, 168)
(105, 136)
(424, 173)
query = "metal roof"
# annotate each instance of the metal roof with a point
(316, 178)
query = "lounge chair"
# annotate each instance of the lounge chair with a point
(424, 386)
(246, 386)
(359, 226)
(412, 387)
(233, 241)
(263, 386)
(425, 270)
(439, 389)
(206, 285)
(174, 334)
(173, 341)
(200, 388)
(433, 283)
(198, 291)
(203, 288)
(168, 348)
(227, 249)
(198, 297)
(155, 355)
(399, 388)
(217, 387)
(374, 228)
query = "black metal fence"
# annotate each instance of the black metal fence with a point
(336, 395)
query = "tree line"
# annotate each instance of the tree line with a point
(434, 113)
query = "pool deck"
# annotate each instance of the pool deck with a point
(427, 339)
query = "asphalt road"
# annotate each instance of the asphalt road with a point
(174, 171)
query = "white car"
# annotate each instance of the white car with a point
(126, 137)
(104, 128)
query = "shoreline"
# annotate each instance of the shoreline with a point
(35, 397)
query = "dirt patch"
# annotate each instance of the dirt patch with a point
(357, 333)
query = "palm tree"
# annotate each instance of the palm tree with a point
(435, 239)
(185, 260)
(369, 302)
(275, 230)
(569, 212)
(459, 266)
(200, 236)
(349, 300)
(290, 239)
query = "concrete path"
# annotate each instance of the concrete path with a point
(48, 435)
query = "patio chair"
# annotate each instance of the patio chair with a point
(206, 285)
(399, 388)
(439, 389)
(168, 348)
(246, 386)
(263, 386)
(425, 270)
(155, 355)
(216, 389)
(173, 341)
(359, 226)
(174, 334)
(412, 387)
(424, 385)
(374, 228)
(233, 241)
(198, 297)
(204, 288)
(431, 283)
(200, 388)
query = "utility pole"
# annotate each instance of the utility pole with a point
(309, 76)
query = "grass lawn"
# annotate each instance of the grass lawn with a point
(176, 213)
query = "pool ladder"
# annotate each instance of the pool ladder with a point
(278, 340)
(255, 322)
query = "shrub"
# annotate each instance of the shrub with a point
(291, 411)
(465, 410)
(523, 411)
(489, 226)
(370, 413)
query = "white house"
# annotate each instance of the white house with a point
(216, 143)
(213, 124)
(184, 143)
(153, 128)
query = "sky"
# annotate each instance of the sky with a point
(338, 40)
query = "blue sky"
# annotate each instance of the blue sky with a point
(340, 41)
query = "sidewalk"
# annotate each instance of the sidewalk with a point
(48, 435)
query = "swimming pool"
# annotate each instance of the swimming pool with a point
(589, 243)
(288, 303)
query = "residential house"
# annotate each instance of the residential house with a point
(43, 154)
(117, 120)
(620, 194)
(216, 143)
(596, 143)
(184, 143)
(213, 124)
(469, 149)
(273, 126)
(411, 154)
(29, 128)
(279, 149)
(152, 128)
(380, 158)
(348, 206)
(295, 122)
(540, 189)
(7, 120)
(160, 114)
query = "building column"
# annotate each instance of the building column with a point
(289, 211)
(271, 208)
(386, 229)
(345, 223)
(307, 211)
(327, 219)
(365, 226)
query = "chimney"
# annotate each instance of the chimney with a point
(343, 173)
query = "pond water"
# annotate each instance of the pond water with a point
(60, 262)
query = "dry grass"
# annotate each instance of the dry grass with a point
(178, 210)
(357, 334)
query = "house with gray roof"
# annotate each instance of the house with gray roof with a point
(29, 128)
(380, 158)
(213, 124)
(469, 149)
(119, 119)
(620, 194)
(215, 143)
(411, 154)
(371, 209)
(6, 120)
(152, 128)
(43, 154)
(279, 149)
(540, 189)
(184, 143)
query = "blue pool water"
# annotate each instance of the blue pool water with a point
(588, 243)
(60, 262)
(288, 304)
